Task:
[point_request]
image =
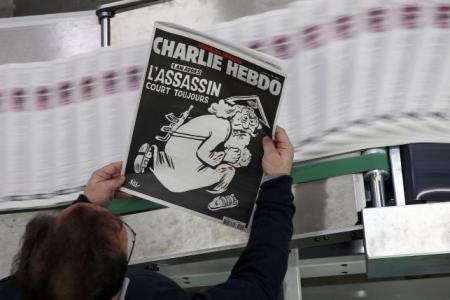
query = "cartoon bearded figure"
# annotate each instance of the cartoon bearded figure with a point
(205, 151)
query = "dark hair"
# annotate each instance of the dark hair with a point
(76, 256)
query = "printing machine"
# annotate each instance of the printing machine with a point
(382, 212)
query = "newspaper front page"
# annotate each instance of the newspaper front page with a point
(197, 138)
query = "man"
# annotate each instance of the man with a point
(81, 253)
(206, 150)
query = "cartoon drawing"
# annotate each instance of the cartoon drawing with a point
(174, 124)
(221, 202)
(205, 151)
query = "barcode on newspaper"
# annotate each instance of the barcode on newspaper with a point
(233, 223)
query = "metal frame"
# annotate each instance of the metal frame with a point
(407, 240)
(107, 11)
(292, 285)
(212, 272)
(397, 175)
(104, 19)
(376, 179)
(300, 241)
(216, 271)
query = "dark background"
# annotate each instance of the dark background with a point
(151, 117)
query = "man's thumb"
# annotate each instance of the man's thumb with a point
(268, 145)
(116, 182)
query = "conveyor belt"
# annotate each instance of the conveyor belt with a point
(301, 174)
(339, 167)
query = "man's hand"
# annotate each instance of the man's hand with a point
(232, 155)
(278, 155)
(103, 184)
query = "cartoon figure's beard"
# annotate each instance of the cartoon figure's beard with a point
(239, 141)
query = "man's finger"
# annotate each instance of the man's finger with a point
(116, 182)
(282, 139)
(268, 145)
(122, 195)
(110, 170)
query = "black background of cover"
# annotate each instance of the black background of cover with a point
(151, 116)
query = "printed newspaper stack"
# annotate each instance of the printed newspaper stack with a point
(361, 74)
(204, 109)
(63, 119)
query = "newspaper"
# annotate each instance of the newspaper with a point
(63, 119)
(197, 140)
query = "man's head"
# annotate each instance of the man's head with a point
(79, 254)
(243, 127)
(243, 118)
(245, 122)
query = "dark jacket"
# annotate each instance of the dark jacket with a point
(258, 273)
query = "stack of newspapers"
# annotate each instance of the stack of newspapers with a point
(63, 119)
(360, 74)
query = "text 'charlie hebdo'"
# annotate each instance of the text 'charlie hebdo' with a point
(186, 78)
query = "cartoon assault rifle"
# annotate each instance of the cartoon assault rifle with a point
(175, 123)
(146, 151)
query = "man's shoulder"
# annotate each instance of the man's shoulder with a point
(153, 285)
(9, 289)
(149, 277)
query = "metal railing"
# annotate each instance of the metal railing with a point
(107, 11)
